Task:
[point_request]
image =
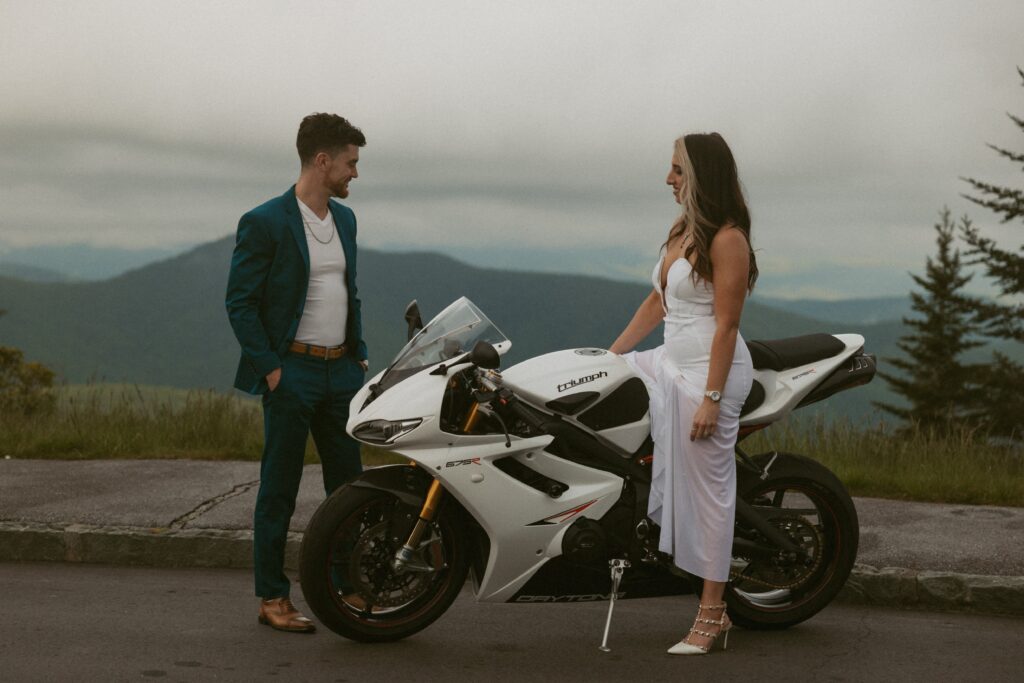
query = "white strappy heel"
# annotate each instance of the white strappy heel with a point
(685, 648)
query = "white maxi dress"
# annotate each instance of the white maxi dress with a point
(693, 488)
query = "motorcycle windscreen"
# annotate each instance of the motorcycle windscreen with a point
(453, 332)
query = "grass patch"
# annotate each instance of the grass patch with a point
(124, 421)
(112, 421)
(882, 461)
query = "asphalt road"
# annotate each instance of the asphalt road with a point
(67, 622)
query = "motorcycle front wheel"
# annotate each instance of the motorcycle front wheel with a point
(809, 504)
(347, 573)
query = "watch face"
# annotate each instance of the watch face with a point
(715, 396)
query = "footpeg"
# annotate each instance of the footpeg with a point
(643, 532)
(617, 568)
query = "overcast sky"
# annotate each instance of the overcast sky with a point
(516, 133)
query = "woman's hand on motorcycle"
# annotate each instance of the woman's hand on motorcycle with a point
(705, 420)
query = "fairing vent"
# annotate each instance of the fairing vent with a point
(531, 477)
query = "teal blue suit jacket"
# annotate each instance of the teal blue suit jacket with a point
(268, 281)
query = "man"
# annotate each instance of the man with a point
(292, 302)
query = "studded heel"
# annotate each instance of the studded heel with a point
(686, 648)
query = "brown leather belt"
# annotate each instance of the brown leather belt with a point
(325, 352)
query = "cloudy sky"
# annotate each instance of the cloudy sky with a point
(524, 134)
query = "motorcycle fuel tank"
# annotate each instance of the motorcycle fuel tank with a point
(593, 387)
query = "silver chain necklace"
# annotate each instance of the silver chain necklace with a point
(310, 227)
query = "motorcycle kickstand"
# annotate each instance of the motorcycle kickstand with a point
(617, 567)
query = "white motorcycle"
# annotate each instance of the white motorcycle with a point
(536, 480)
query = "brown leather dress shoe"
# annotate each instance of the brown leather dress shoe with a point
(281, 614)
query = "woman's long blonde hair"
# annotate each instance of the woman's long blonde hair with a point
(711, 197)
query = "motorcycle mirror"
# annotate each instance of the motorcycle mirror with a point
(485, 356)
(413, 319)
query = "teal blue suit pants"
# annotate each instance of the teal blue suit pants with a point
(312, 398)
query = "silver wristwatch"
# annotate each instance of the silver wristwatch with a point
(715, 396)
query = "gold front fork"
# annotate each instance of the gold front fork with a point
(405, 555)
(471, 419)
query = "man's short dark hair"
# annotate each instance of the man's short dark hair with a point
(325, 133)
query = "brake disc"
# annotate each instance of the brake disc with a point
(371, 567)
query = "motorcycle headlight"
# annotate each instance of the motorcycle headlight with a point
(384, 431)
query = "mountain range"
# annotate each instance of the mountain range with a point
(849, 311)
(76, 262)
(165, 323)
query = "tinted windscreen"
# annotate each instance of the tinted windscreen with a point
(454, 331)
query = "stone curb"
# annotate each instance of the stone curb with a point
(220, 548)
(134, 546)
(899, 587)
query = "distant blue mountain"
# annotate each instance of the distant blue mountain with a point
(848, 311)
(55, 263)
(31, 273)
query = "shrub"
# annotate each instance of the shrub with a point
(25, 388)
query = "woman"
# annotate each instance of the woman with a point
(699, 378)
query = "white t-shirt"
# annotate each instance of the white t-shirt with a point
(326, 312)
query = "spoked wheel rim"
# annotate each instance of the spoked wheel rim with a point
(361, 577)
(789, 579)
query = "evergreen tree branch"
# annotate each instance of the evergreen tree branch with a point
(1012, 156)
(1005, 267)
(1006, 201)
(1017, 120)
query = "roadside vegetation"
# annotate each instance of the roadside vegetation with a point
(125, 421)
(111, 421)
(954, 465)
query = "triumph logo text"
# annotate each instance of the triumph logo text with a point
(581, 380)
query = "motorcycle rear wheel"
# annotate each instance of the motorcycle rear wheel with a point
(815, 510)
(346, 573)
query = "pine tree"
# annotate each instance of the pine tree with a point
(937, 386)
(1001, 390)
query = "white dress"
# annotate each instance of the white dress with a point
(693, 488)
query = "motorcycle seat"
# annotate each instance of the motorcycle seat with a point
(782, 354)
